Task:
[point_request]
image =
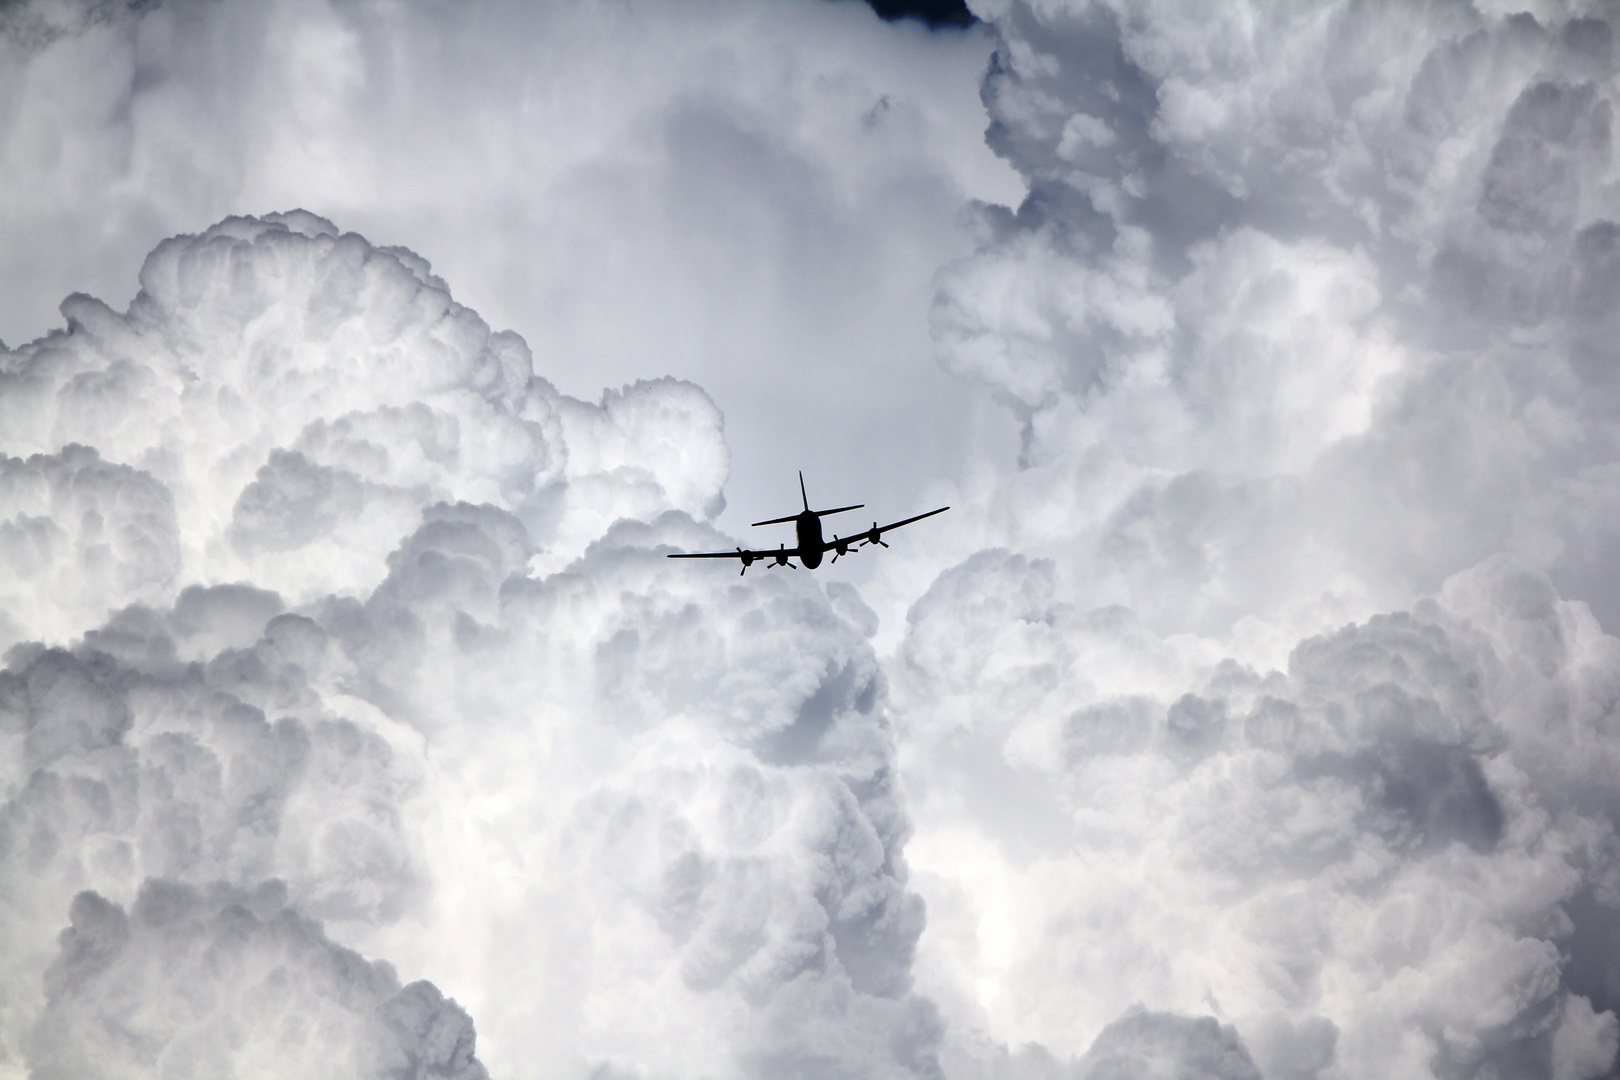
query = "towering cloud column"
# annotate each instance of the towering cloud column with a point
(338, 634)
(1284, 701)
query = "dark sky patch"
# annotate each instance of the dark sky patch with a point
(936, 13)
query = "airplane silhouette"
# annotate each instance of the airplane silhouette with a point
(811, 546)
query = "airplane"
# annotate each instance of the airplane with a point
(811, 546)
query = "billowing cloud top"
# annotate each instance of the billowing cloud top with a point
(1274, 710)
(1300, 299)
(664, 804)
(1259, 720)
(279, 403)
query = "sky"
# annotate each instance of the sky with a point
(1253, 712)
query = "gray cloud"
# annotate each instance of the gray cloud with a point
(769, 875)
(1395, 833)
(1144, 1044)
(320, 392)
(755, 203)
(686, 784)
(75, 530)
(1334, 335)
(1259, 665)
(222, 981)
(1263, 684)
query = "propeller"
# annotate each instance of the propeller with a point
(840, 547)
(747, 561)
(782, 558)
(875, 537)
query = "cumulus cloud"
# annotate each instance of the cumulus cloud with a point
(1297, 573)
(282, 401)
(78, 530)
(705, 765)
(1387, 837)
(130, 768)
(457, 711)
(754, 200)
(1253, 715)
(164, 990)
(1333, 300)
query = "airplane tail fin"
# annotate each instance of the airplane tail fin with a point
(802, 496)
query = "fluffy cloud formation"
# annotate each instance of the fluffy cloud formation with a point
(142, 777)
(1273, 709)
(754, 199)
(281, 402)
(635, 821)
(1395, 856)
(1258, 721)
(1301, 299)
(165, 989)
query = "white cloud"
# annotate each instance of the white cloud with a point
(283, 401)
(1354, 272)
(163, 989)
(754, 200)
(632, 819)
(1255, 720)
(1381, 840)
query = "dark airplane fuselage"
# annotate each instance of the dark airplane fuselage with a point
(809, 529)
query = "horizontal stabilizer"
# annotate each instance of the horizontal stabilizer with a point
(818, 513)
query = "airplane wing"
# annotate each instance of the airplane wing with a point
(874, 535)
(775, 557)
